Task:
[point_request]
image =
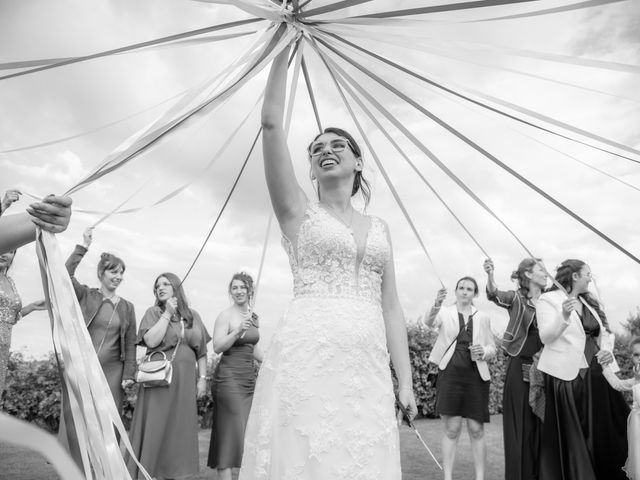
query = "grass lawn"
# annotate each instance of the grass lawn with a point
(21, 464)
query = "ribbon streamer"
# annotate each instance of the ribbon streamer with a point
(134, 147)
(495, 100)
(94, 413)
(481, 150)
(265, 245)
(547, 11)
(383, 171)
(224, 205)
(135, 46)
(184, 42)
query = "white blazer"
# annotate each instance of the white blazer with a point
(563, 353)
(448, 327)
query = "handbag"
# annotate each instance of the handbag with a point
(157, 373)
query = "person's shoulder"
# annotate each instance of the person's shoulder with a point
(153, 311)
(552, 296)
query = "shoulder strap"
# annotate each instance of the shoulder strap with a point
(458, 336)
(175, 350)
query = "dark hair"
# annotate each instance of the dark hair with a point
(519, 276)
(183, 306)
(469, 279)
(564, 276)
(109, 261)
(360, 184)
(247, 280)
(633, 342)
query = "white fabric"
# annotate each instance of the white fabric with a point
(632, 467)
(563, 352)
(448, 326)
(323, 407)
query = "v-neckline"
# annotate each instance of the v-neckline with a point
(360, 254)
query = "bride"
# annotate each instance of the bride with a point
(324, 403)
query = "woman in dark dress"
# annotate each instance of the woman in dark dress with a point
(111, 322)
(583, 435)
(235, 336)
(521, 341)
(164, 428)
(464, 344)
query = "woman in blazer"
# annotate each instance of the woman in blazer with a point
(111, 322)
(583, 434)
(461, 351)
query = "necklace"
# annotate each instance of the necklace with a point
(334, 213)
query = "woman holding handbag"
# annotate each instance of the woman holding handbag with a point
(164, 429)
(464, 345)
(583, 433)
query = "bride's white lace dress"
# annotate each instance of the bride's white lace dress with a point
(323, 406)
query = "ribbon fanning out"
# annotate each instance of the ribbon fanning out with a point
(94, 414)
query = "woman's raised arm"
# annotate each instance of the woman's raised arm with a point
(287, 198)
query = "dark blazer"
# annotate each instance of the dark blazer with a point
(90, 300)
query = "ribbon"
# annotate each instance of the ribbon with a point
(134, 46)
(428, 44)
(94, 413)
(481, 150)
(26, 435)
(265, 244)
(187, 41)
(391, 140)
(449, 7)
(224, 205)
(307, 81)
(547, 11)
(495, 100)
(382, 170)
(333, 7)
(140, 142)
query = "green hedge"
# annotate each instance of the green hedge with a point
(421, 341)
(33, 388)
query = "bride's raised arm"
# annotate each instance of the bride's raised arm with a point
(287, 198)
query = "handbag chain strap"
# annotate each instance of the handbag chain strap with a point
(106, 331)
(175, 351)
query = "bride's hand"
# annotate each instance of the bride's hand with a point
(407, 399)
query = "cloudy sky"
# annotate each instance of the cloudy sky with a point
(453, 48)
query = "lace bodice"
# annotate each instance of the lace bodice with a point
(324, 263)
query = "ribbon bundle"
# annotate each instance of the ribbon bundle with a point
(337, 42)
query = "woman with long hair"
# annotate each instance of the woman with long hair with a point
(464, 345)
(164, 429)
(324, 404)
(583, 434)
(235, 336)
(521, 427)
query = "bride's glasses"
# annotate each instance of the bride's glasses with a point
(336, 146)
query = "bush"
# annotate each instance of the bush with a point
(421, 341)
(33, 391)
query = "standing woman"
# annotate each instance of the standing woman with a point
(11, 310)
(235, 336)
(583, 434)
(464, 344)
(111, 322)
(164, 429)
(324, 405)
(521, 427)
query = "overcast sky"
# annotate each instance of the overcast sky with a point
(67, 101)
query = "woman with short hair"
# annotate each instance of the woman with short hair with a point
(464, 345)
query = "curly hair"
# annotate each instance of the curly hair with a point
(519, 276)
(245, 278)
(109, 261)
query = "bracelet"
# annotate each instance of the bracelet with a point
(203, 377)
(408, 389)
